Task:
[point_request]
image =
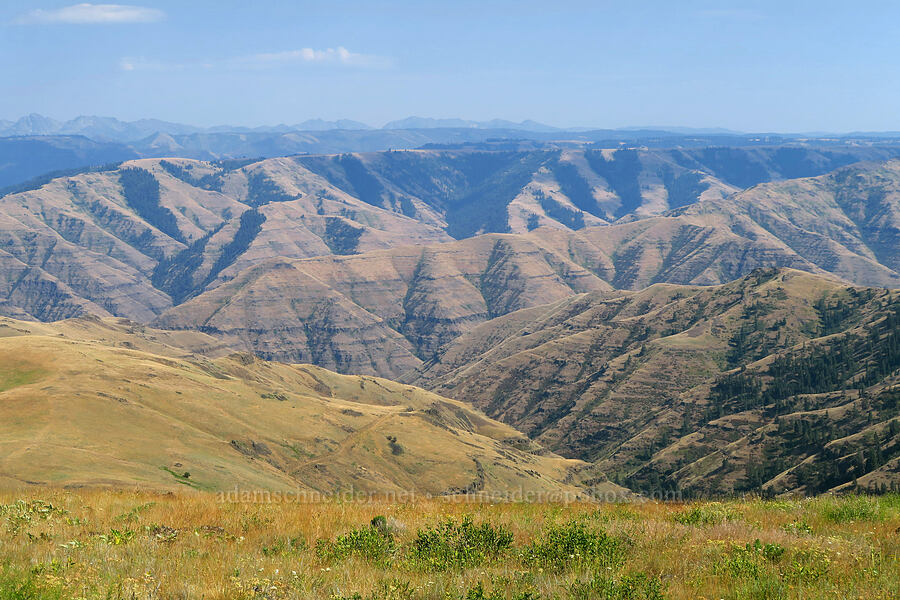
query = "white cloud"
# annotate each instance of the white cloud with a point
(84, 14)
(339, 55)
(131, 63)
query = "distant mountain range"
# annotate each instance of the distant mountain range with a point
(427, 123)
(36, 145)
(112, 129)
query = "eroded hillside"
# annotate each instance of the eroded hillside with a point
(385, 312)
(779, 381)
(138, 239)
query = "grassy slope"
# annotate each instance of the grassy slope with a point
(91, 402)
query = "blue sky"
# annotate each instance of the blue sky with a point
(753, 66)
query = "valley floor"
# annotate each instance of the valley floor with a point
(115, 544)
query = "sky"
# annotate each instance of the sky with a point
(758, 66)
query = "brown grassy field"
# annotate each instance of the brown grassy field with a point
(118, 544)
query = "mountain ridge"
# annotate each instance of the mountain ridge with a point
(695, 389)
(137, 240)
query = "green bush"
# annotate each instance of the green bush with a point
(17, 588)
(851, 508)
(284, 546)
(628, 587)
(380, 523)
(706, 514)
(21, 513)
(807, 565)
(118, 537)
(392, 589)
(452, 545)
(479, 593)
(740, 565)
(749, 562)
(369, 543)
(797, 527)
(574, 543)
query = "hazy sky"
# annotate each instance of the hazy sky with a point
(753, 66)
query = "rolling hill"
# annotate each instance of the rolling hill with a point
(92, 402)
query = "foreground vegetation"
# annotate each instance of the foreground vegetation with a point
(101, 544)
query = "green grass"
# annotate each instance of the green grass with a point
(13, 378)
(852, 509)
(26, 587)
(706, 514)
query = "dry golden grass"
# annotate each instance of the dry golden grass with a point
(89, 403)
(118, 544)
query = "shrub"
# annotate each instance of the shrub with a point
(807, 565)
(396, 448)
(18, 588)
(369, 543)
(118, 537)
(706, 514)
(574, 542)
(797, 527)
(478, 593)
(851, 508)
(284, 546)
(739, 564)
(452, 545)
(771, 552)
(628, 587)
(379, 522)
(21, 513)
(749, 562)
(392, 589)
